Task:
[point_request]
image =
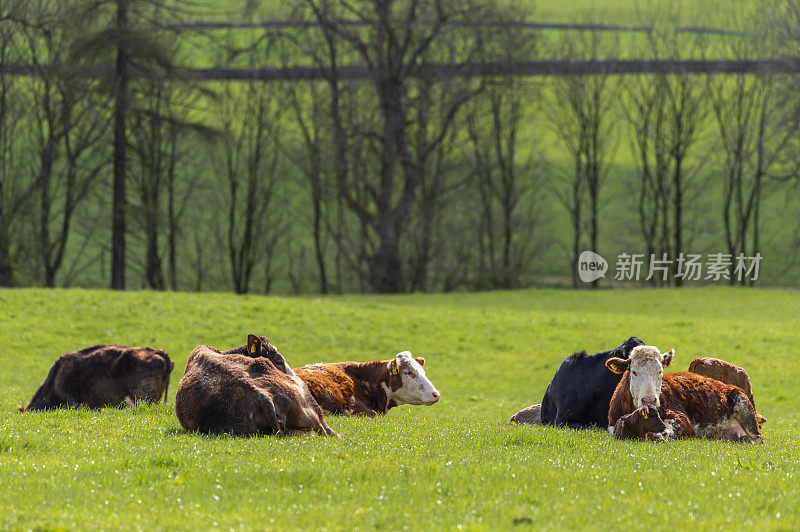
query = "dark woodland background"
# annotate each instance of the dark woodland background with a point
(321, 146)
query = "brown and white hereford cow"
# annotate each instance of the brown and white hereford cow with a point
(369, 388)
(104, 375)
(244, 395)
(690, 405)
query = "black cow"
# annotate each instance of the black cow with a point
(580, 392)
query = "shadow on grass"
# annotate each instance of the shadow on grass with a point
(175, 431)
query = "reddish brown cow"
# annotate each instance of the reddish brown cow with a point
(243, 395)
(104, 375)
(723, 371)
(728, 373)
(690, 405)
(369, 388)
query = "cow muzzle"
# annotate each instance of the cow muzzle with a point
(651, 400)
(435, 396)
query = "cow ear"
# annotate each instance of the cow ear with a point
(253, 343)
(617, 365)
(393, 368)
(421, 360)
(666, 358)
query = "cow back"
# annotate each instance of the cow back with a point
(723, 371)
(330, 385)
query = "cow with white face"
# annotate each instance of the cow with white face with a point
(646, 366)
(688, 404)
(370, 388)
(414, 387)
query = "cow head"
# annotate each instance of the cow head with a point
(408, 383)
(646, 365)
(259, 346)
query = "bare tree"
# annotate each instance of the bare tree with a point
(506, 183)
(307, 102)
(437, 109)
(12, 191)
(580, 116)
(124, 29)
(391, 43)
(68, 123)
(666, 112)
(161, 139)
(753, 135)
(250, 116)
(783, 24)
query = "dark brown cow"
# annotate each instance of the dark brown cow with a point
(369, 388)
(690, 405)
(259, 346)
(643, 422)
(104, 375)
(243, 395)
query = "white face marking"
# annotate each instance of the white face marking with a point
(646, 375)
(416, 388)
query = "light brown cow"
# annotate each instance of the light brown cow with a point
(531, 415)
(104, 375)
(244, 395)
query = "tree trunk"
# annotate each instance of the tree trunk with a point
(386, 274)
(386, 271)
(593, 222)
(317, 229)
(120, 144)
(45, 174)
(153, 270)
(6, 277)
(172, 235)
(678, 221)
(577, 222)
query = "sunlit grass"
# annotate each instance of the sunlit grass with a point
(456, 463)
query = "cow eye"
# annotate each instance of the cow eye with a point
(410, 373)
(634, 373)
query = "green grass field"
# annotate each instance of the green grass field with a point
(457, 464)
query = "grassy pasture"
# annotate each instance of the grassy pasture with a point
(455, 464)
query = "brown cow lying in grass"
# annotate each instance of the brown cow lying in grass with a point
(369, 388)
(728, 373)
(690, 405)
(242, 395)
(104, 375)
(531, 415)
(259, 346)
